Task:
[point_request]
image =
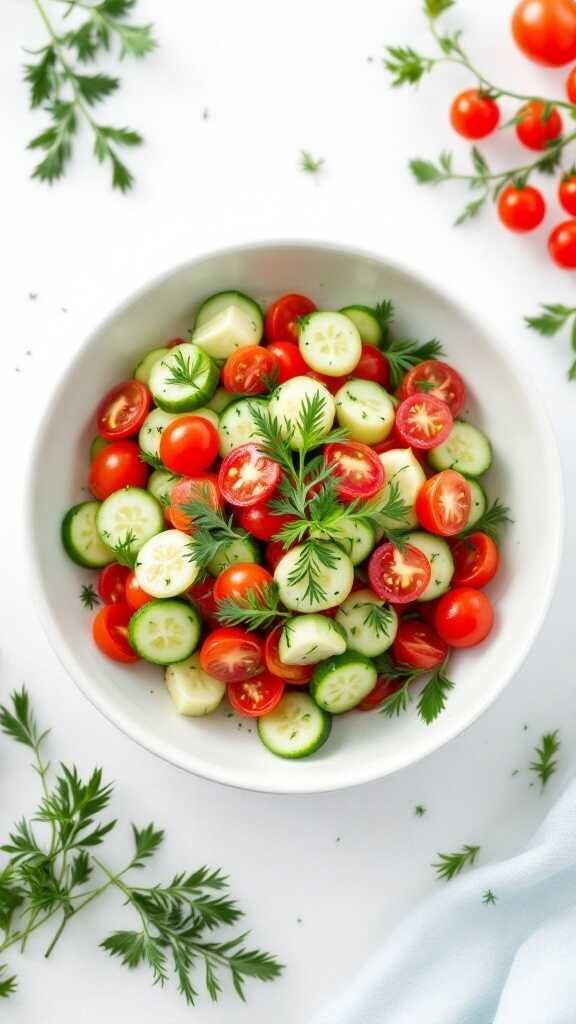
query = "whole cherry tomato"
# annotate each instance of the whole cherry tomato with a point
(473, 114)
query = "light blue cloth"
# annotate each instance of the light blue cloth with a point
(456, 960)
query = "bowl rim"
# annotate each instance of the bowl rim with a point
(143, 736)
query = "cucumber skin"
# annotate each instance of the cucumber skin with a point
(70, 547)
(365, 312)
(326, 667)
(312, 748)
(439, 463)
(200, 319)
(198, 398)
(142, 612)
(475, 515)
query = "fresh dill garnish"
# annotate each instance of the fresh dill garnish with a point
(310, 164)
(490, 522)
(402, 356)
(183, 368)
(124, 550)
(545, 763)
(152, 460)
(489, 897)
(449, 865)
(88, 596)
(258, 609)
(378, 617)
(433, 697)
(212, 530)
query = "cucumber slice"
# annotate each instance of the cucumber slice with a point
(236, 425)
(357, 539)
(296, 728)
(402, 468)
(286, 405)
(246, 550)
(221, 399)
(80, 537)
(165, 632)
(336, 579)
(479, 503)
(192, 690)
(367, 323)
(129, 513)
(330, 343)
(208, 414)
(308, 639)
(163, 567)
(228, 327)
(467, 450)
(160, 484)
(439, 555)
(184, 380)
(142, 371)
(221, 301)
(152, 429)
(366, 410)
(98, 444)
(339, 684)
(370, 624)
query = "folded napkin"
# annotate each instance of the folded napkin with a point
(456, 960)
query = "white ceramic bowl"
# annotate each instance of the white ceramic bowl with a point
(362, 747)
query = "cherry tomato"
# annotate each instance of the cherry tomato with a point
(111, 583)
(439, 380)
(567, 193)
(358, 469)
(427, 610)
(423, 421)
(134, 596)
(249, 370)
(247, 477)
(232, 655)
(173, 342)
(384, 688)
(372, 365)
(274, 553)
(189, 445)
(545, 31)
(418, 645)
(118, 465)
(332, 383)
(296, 675)
(261, 522)
(283, 315)
(443, 503)
(473, 114)
(392, 441)
(536, 128)
(476, 560)
(203, 487)
(521, 209)
(463, 617)
(110, 632)
(256, 697)
(123, 410)
(240, 579)
(202, 595)
(398, 575)
(289, 361)
(562, 244)
(571, 86)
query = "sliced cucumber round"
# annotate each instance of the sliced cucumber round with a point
(467, 450)
(479, 503)
(237, 425)
(245, 550)
(165, 632)
(333, 573)
(308, 639)
(296, 728)
(184, 380)
(370, 624)
(439, 555)
(152, 429)
(193, 691)
(164, 567)
(98, 444)
(330, 343)
(221, 301)
(142, 371)
(226, 322)
(357, 538)
(367, 323)
(129, 517)
(366, 410)
(81, 539)
(160, 484)
(403, 469)
(221, 399)
(339, 684)
(287, 402)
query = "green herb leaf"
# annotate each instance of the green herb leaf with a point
(8, 983)
(495, 516)
(451, 864)
(258, 609)
(310, 164)
(406, 65)
(403, 355)
(434, 8)
(88, 596)
(432, 700)
(489, 897)
(545, 763)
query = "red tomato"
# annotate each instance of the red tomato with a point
(521, 209)
(297, 675)
(373, 365)
(261, 522)
(359, 471)
(274, 553)
(423, 421)
(246, 370)
(439, 380)
(443, 503)
(398, 575)
(392, 441)
(173, 342)
(464, 617)
(238, 580)
(202, 595)
(476, 560)
(189, 445)
(123, 410)
(571, 86)
(111, 583)
(232, 655)
(283, 315)
(256, 697)
(567, 193)
(534, 129)
(203, 487)
(384, 688)
(418, 645)
(118, 465)
(247, 477)
(332, 383)
(545, 31)
(110, 632)
(562, 244)
(473, 114)
(134, 596)
(289, 361)
(427, 610)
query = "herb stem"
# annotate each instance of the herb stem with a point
(69, 71)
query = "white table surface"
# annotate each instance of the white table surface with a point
(323, 879)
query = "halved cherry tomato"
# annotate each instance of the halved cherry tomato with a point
(463, 617)
(283, 315)
(134, 596)
(249, 370)
(473, 114)
(398, 575)
(189, 445)
(256, 697)
(203, 488)
(418, 645)
(537, 126)
(423, 421)
(116, 466)
(110, 632)
(232, 655)
(476, 560)
(274, 553)
(123, 410)
(439, 380)
(111, 583)
(443, 503)
(297, 675)
(247, 477)
(261, 522)
(290, 362)
(237, 580)
(358, 469)
(545, 31)
(384, 688)
(202, 595)
(567, 193)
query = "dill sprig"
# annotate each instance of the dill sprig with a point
(489, 897)
(212, 529)
(491, 521)
(545, 763)
(150, 459)
(449, 865)
(433, 697)
(378, 617)
(402, 356)
(88, 596)
(124, 550)
(183, 368)
(310, 164)
(259, 609)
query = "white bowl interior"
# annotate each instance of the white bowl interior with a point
(362, 747)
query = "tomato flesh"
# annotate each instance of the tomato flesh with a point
(297, 675)
(250, 370)
(358, 469)
(232, 655)
(283, 315)
(463, 617)
(110, 633)
(418, 645)
(438, 379)
(112, 583)
(202, 488)
(247, 477)
(189, 445)
(241, 579)
(398, 575)
(443, 503)
(123, 410)
(423, 421)
(476, 560)
(116, 466)
(256, 697)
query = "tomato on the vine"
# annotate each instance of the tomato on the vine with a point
(116, 466)
(261, 522)
(423, 421)
(111, 583)
(134, 596)
(289, 361)
(545, 31)
(537, 125)
(247, 476)
(439, 380)
(398, 575)
(256, 697)
(241, 579)
(463, 617)
(562, 244)
(443, 503)
(283, 315)
(110, 633)
(567, 193)
(297, 675)
(203, 488)
(250, 370)
(473, 114)
(521, 209)
(358, 470)
(418, 645)
(189, 445)
(476, 560)
(232, 655)
(123, 410)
